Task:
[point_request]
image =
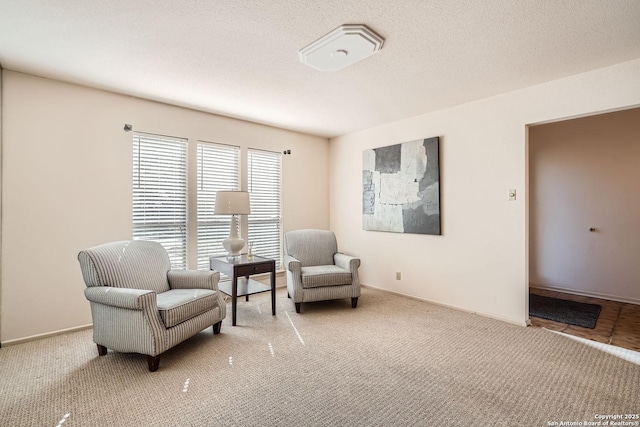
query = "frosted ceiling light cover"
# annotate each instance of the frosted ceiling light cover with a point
(343, 46)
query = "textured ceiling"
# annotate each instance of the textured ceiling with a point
(239, 58)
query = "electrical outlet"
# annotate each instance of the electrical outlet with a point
(398, 276)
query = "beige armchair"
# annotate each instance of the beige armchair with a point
(140, 305)
(316, 271)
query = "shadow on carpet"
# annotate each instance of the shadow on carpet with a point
(564, 311)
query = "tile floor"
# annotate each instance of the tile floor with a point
(618, 324)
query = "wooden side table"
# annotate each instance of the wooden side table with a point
(239, 269)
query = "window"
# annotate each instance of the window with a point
(160, 193)
(218, 169)
(264, 178)
(174, 190)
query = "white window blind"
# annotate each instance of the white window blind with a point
(160, 193)
(264, 184)
(218, 170)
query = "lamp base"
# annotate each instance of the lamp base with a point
(233, 245)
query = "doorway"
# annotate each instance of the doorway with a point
(584, 232)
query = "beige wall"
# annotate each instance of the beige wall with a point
(480, 263)
(586, 173)
(66, 185)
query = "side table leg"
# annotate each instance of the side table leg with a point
(234, 296)
(273, 291)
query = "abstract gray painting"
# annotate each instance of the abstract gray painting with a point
(401, 188)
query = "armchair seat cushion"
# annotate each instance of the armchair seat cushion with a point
(178, 305)
(324, 275)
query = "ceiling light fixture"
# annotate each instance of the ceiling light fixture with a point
(343, 46)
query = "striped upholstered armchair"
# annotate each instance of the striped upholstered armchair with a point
(140, 305)
(316, 271)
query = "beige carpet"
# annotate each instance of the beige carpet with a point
(393, 361)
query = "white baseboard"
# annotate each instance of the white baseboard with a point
(45, 335)
(586, 293)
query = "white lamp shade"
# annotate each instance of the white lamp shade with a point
(232, 203)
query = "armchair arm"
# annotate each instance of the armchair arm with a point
(349, 263)
(346, 262)
(127, 320)
(291, 264)
(121, 297)
(193, 279)
(294, 278)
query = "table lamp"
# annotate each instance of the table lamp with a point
(232, 203)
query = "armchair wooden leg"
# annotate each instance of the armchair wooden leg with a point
(102, 350)
(298, 304)
(153, 362)
(288, 295)
(354, 302)
(216, 328)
